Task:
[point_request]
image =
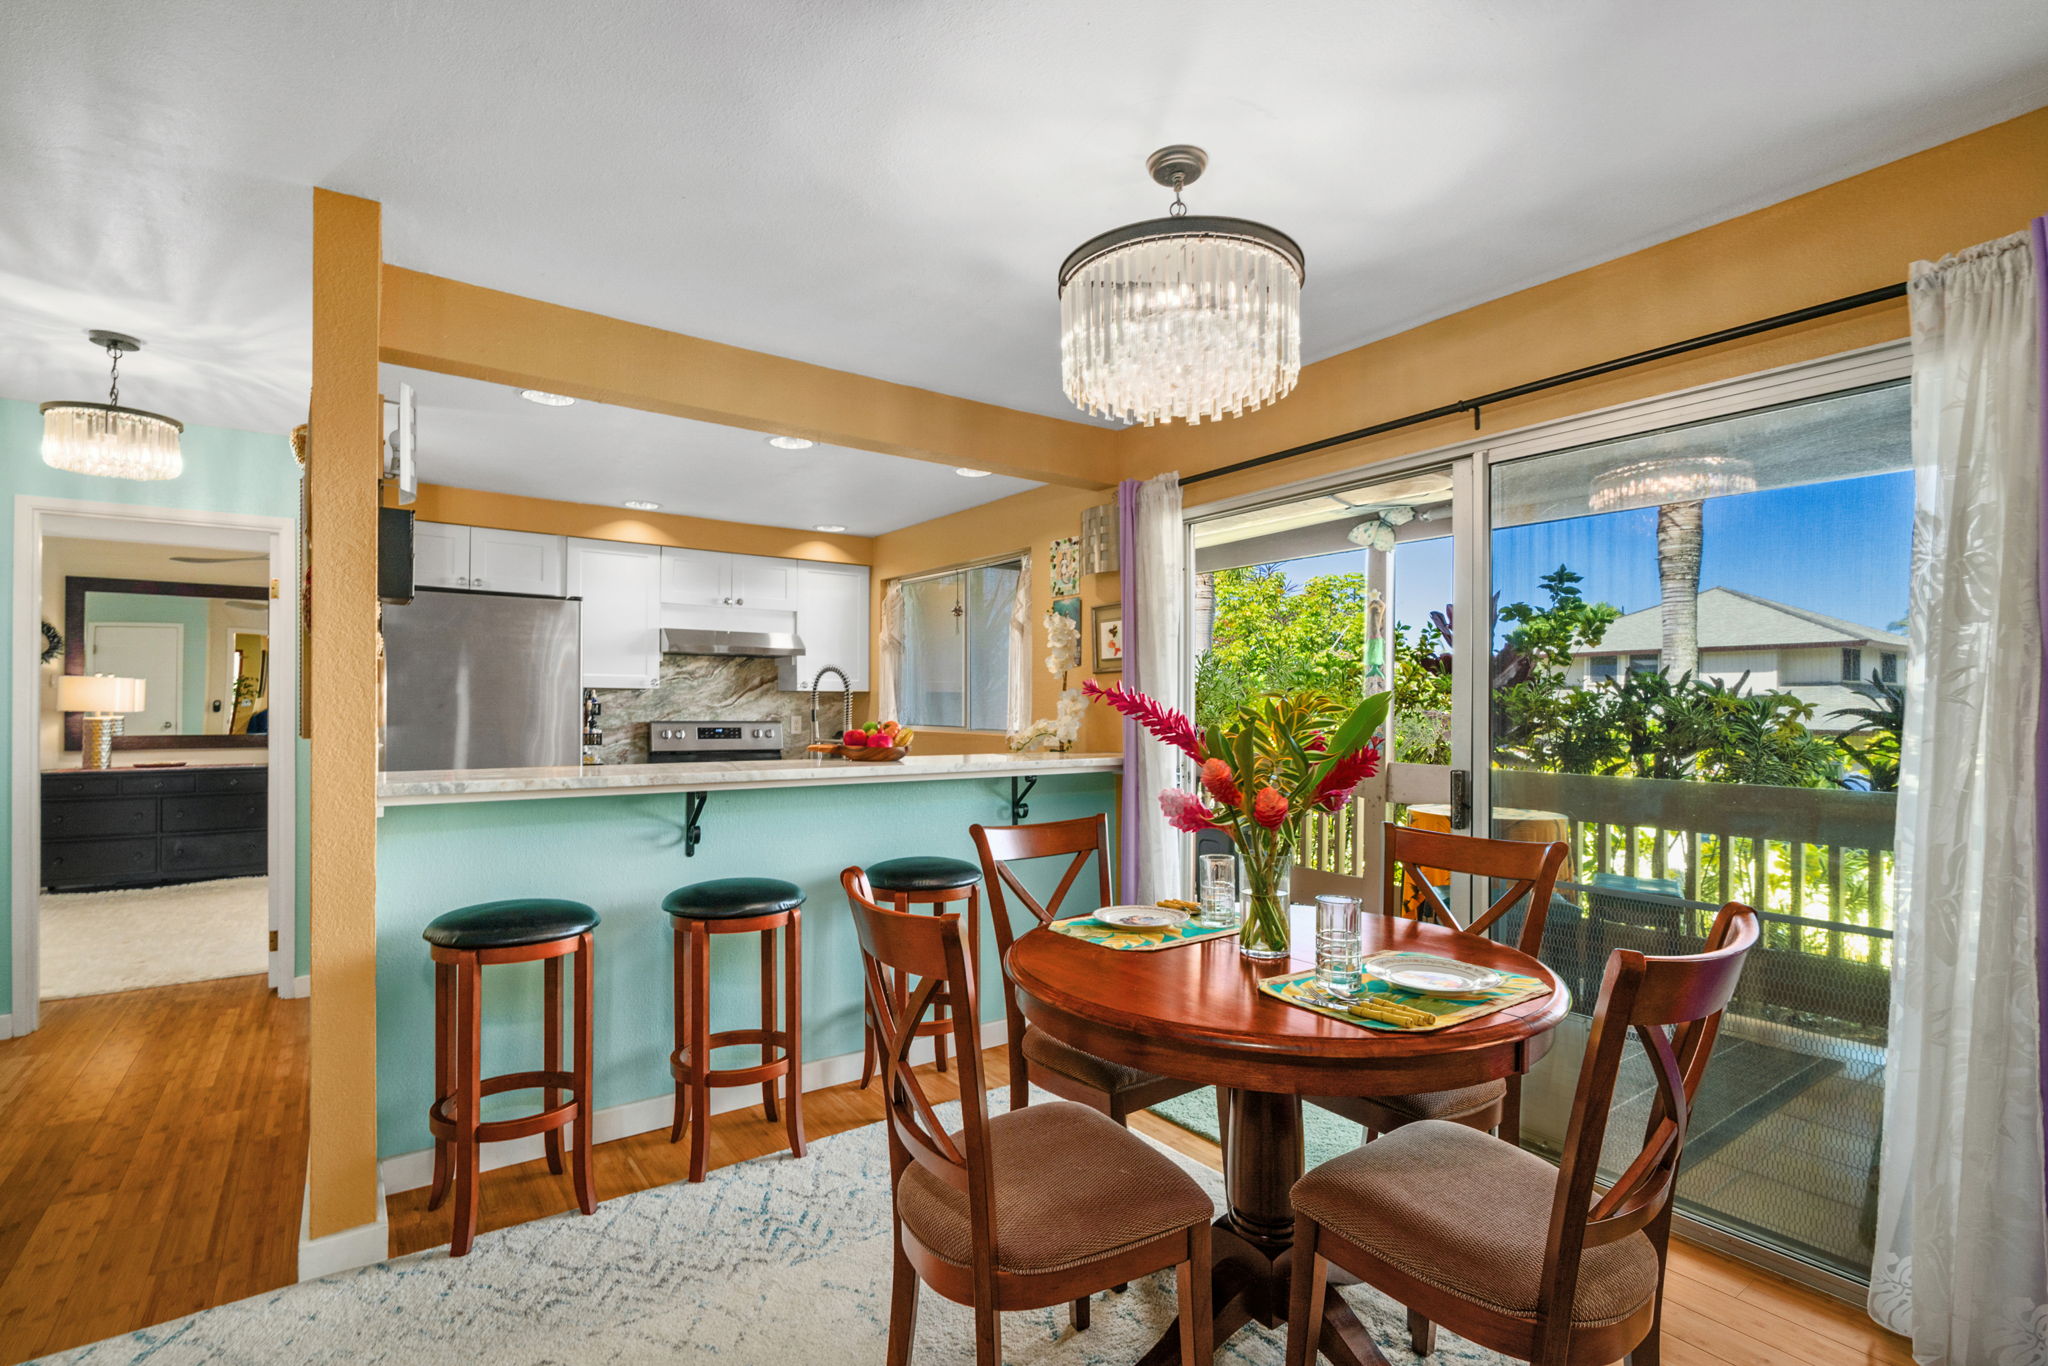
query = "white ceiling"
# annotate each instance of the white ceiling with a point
(888, 186)
(136, 560)
(484, 436)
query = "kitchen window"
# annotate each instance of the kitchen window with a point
(956, 646)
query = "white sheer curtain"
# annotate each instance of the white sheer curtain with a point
(1962, 1240)
(1020, 651)
(1155, 660)
(889, 655)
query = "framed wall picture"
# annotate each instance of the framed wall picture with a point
(1109, 638)
(1070, 610)
(1066, 566)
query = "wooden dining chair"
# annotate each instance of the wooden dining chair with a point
(1060, 1068)
(1530, 870)
(1496, 1244)
(1035, 1207)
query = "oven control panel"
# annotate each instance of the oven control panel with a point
(714, 737)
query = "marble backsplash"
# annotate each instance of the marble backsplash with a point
(714, 688)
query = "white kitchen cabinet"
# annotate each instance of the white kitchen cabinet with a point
(440, 555)
(448, 556)
(715, 578)
(515, 562)
(620, 585)
(832, 620)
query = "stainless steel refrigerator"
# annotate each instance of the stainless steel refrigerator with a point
(482, 680)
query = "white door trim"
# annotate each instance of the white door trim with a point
(37, 517)
(176, 628)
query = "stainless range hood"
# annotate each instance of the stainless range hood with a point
(751, 644)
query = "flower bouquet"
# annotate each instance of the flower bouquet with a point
(1262, 774)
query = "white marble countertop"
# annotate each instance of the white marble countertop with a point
(428, 787)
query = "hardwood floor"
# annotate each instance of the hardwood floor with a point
(152, 1160)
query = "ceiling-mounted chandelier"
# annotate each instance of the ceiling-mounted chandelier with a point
(1671, 479)
(1181, 317)
(107, 439)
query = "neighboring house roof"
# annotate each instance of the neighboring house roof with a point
(1734, 620)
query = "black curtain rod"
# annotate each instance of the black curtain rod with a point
(1474, 405)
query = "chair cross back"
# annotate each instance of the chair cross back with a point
(1673, 1006)
(1529, 868)
(930, 949)
(1001, 846)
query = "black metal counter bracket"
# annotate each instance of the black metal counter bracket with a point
(693, 816)
(1020, 788)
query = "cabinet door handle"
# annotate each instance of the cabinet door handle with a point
(740, 601)
(462, 579)
(476, 583)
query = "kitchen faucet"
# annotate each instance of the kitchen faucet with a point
(846, 694)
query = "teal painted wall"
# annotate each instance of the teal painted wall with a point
(622, 855)
(225, 471)
(190, 613)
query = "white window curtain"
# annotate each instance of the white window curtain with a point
(1962, 1241)
(889, 654)
(1020, 651)
(1154, 574)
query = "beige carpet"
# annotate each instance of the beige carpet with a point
(96, 942)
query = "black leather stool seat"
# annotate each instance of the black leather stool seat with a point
(510, 924)
(733, 898)
(922, 873)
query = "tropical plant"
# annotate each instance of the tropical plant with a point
(1873, 743)
(1262, 773)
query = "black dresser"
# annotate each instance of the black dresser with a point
(127, 827)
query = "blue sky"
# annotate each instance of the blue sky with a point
(1842, 547)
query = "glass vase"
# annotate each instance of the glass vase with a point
(1264, 932)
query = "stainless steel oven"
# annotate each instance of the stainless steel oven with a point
(701, 742)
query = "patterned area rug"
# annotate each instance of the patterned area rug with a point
(96, 942)
(769, 1261)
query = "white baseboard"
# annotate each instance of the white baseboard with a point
(363, 1245)
(414, 1170)
(302, 987)
(6, 1026)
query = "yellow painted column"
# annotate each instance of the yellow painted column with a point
(342, 472)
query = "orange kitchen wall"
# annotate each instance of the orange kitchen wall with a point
(1027, 522)
(508, 512)
(1853, 235)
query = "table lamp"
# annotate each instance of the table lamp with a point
(103, 698)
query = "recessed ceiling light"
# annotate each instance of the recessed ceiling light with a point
(828, 526)
(790, 443)
(546, 399)
(640, 505)
(966, 473)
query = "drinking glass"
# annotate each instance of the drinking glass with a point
(1337, 946)
(1218, 892)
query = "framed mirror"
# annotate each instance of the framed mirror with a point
(204, 649)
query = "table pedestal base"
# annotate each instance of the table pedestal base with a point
(1252, 1247)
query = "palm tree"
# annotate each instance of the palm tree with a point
(1679, 538)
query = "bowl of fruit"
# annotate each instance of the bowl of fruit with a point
(878, 744)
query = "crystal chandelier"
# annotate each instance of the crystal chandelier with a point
(107, 439)
(1671, 479)
(1181, 317)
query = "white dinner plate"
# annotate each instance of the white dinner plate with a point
(1431, 975)
(1142, 917)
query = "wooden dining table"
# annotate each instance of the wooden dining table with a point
(1195, 1012)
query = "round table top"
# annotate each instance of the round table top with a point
(1195, 1013)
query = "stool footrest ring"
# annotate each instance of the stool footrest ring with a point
(441, 1115)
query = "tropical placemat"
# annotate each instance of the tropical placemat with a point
(1136, 941)
(1296, 990)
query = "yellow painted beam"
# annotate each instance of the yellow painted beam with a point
(459, 329)
(341, 473)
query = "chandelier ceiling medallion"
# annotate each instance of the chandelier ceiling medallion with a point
(107, 439)
(1671, 479)
(1186, 316)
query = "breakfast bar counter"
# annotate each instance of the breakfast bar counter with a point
(512, 784)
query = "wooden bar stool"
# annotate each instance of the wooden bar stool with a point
(465, 942)
(926, 880)
(736, 905)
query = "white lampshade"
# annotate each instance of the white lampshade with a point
(100, 693)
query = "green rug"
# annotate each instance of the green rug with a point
(1323, 1134)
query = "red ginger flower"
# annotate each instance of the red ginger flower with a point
(1269, 808)
(1185, 812)
(1347, 773)
(1165, 724)
(1222, 786)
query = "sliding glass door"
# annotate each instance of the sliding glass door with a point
(1671, 637)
